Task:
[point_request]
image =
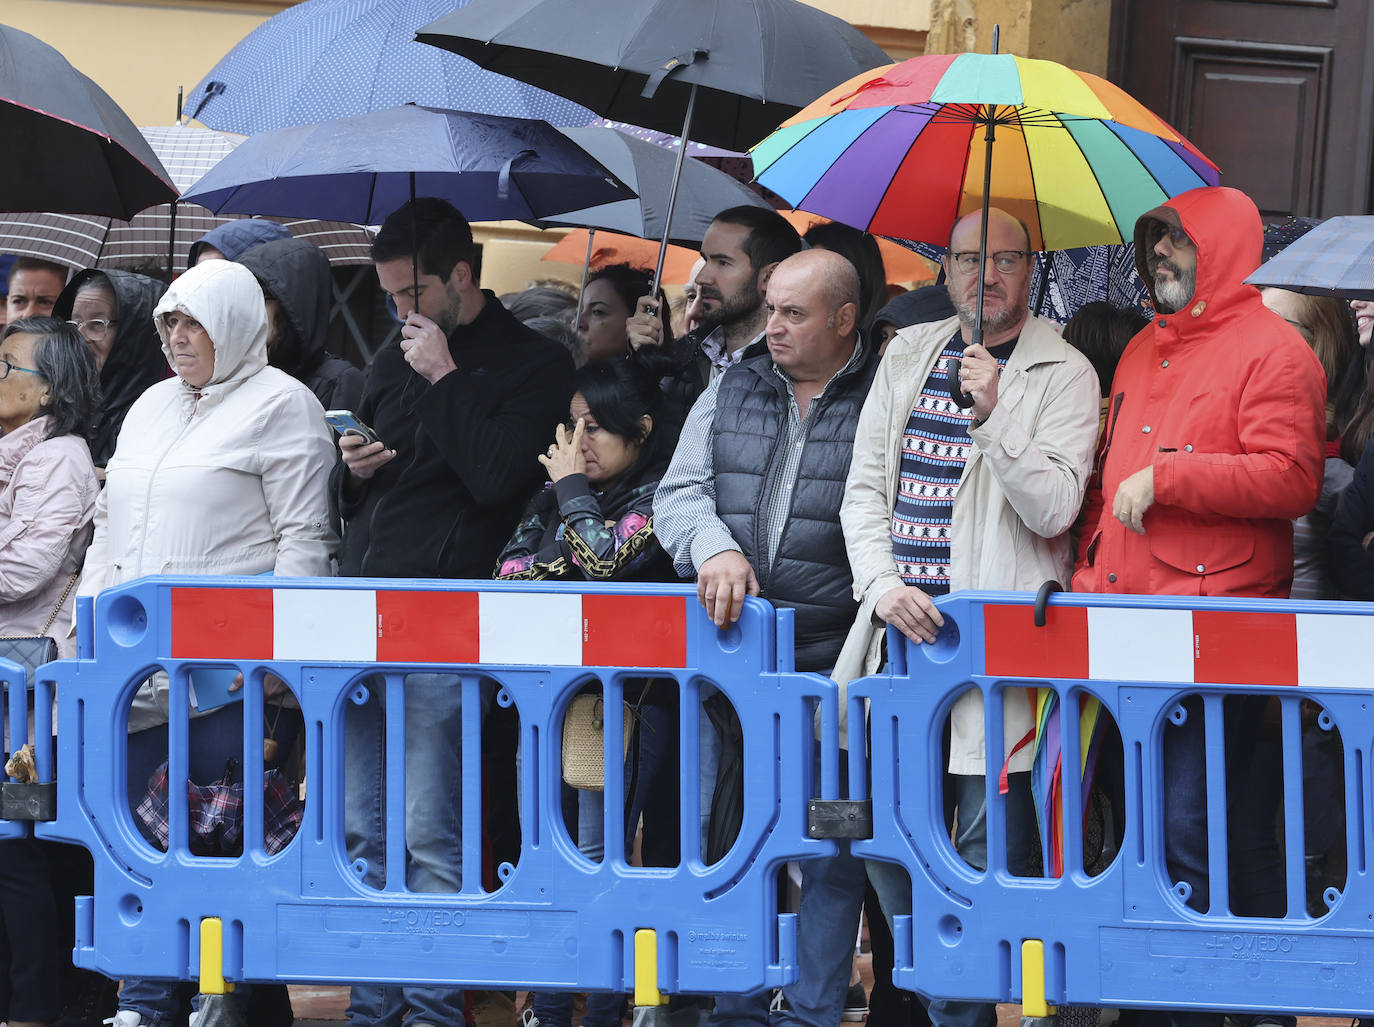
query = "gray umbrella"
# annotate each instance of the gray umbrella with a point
(1334, 259)
(727, 71)
(648, 169)
(756, 62)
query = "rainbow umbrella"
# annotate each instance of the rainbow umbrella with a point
(1047, 770)
(902, 151)
(895, 151)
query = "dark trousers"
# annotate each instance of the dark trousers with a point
(29, 947)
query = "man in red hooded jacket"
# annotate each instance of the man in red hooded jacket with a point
(1215, 427)
(1213, 444)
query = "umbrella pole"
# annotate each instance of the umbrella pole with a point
(672, 191)
(956, 392)
(414, 249)
(586, 273)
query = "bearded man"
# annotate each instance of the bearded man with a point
(941, 498)
(1214, 442)
(739, 252)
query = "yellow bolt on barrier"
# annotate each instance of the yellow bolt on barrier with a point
(646, 970)
(212, 980)
(1033, 980)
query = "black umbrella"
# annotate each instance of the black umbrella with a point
(726, 71)
(648, 169)
(80, 153)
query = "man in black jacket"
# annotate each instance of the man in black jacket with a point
(463, 406)
(751, 505)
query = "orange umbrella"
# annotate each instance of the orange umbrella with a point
(901, 264)
(613, 248)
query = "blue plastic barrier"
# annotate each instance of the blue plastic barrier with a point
(556, 919)
(1124, 937)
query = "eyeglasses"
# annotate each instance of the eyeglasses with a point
(1005, 261)
(95, 328)
(8, 367)
(1178, 238)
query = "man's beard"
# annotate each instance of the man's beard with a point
(449, 316)
(733, 309)
(993, 321)
(1172, 294)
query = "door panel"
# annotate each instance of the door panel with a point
(1277, 92)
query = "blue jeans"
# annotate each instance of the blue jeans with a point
(655, 798)
(971, 842)
(832, 894)
(433, 824)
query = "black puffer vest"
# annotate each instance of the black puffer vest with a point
(810, 572)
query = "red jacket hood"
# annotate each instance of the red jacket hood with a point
(1225, 226)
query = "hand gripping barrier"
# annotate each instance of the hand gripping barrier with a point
(1127, 937)
(555, 919)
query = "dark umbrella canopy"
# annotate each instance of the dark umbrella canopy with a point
(361, 169)
(648, 169)
(146, 240)
(325, 59)
(756, 62)
(76, 151)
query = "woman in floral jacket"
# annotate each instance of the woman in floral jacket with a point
(595, 522)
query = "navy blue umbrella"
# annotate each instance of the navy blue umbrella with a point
(325, 59)
(361, 169)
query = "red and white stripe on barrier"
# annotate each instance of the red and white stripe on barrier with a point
(362, 626)
(1317, 650)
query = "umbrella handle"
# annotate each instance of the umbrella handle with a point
(956, 389)
(672, 192)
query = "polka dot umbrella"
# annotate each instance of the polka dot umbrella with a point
(327, 59)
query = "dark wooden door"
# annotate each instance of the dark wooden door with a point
(1280, 93)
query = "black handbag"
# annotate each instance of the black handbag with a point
(32, 651)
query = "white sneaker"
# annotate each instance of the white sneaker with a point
(126, 1018)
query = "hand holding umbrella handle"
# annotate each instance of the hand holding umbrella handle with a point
(962, 399)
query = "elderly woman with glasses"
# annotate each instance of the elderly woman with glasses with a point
(48, 490)
(113, 311)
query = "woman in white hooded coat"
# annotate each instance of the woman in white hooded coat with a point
(221, 470)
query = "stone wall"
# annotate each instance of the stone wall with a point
(1072, 32)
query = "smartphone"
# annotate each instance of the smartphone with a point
(345, 422)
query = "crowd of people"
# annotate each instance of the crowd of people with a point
(795, 431)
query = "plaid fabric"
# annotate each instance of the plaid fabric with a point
(187, 152)
(217, 813)
(1334, 259)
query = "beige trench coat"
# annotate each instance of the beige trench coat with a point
(1020, 492)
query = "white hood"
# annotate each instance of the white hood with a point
(227, 300)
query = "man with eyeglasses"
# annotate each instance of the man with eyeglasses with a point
(941, 498)
(1214, 442)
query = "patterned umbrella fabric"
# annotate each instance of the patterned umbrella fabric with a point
(72, 148)
(187, 152)
(900, 151)
(325, 59)
(1334, 259)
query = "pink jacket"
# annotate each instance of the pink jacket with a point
(48, 490)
